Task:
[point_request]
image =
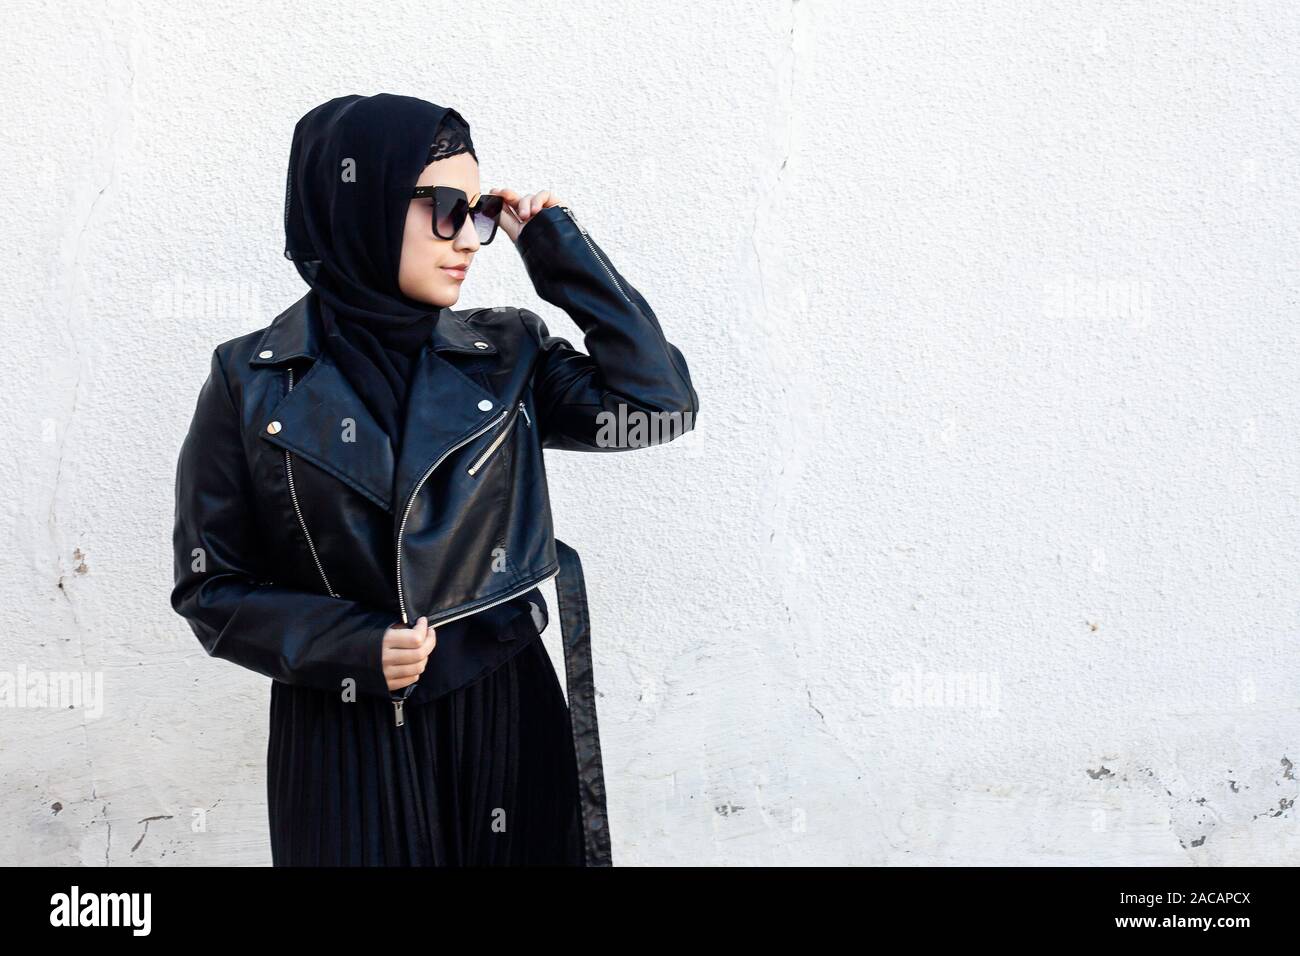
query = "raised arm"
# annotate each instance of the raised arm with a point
(632, 388)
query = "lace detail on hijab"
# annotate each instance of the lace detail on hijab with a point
(452, 138)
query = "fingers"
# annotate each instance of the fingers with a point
(525, 207)
(511, 198)
(541, 201)
(406, 670)
(403, 682)
(398, 636)
(404, 646)
(405, 652)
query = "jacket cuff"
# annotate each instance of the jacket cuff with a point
(542, 231)
(372, 681)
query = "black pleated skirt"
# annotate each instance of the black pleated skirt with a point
(483, 775)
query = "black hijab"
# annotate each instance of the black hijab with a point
(352, 166)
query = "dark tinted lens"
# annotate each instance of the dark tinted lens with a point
(486, 217)
(449, 209)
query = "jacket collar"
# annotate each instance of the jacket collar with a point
(296, 334)
(324, 421)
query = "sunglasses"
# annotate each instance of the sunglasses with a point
(451, 206)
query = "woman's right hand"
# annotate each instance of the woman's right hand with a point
(405, 652)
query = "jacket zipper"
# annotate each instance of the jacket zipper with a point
(398, 717)
(401, 529)
(302, 522)
(496, 442)
(599, 258)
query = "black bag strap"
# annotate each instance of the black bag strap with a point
(575, 629)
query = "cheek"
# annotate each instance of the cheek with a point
(413, 234)
(418, 273)
(417, 252)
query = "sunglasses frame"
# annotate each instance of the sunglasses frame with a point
(431, 192)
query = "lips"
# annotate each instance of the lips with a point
(456, 272)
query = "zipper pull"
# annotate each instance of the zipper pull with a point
(574, 218)
(397, 709)
(524, 409)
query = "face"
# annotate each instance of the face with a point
(422, 273)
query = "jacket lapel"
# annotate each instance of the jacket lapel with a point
(445, 407)
(325, 422)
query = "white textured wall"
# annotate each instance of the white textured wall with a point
(991, 308)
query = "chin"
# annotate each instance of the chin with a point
(441, 297)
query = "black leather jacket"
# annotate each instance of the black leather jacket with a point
(292, 556)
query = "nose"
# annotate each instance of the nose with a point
(467, 239)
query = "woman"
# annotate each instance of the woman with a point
(362, 511)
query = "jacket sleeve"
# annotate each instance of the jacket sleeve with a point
(222, 579)
(633, 375)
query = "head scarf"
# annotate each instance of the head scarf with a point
(352, 165)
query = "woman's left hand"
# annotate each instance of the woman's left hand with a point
(519, 209)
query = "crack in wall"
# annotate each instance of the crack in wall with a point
(73, 298)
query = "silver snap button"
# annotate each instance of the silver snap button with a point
(481, 345)
(273, 428)
(484, 405)
(265, 353)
